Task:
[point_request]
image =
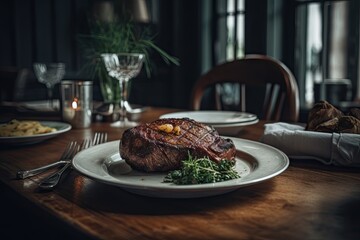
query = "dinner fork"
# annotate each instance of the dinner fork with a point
(69, 152)
(53, 180)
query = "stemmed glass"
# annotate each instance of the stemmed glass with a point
(123, 67)
(49, 74)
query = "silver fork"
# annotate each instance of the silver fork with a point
(99, 138)
(53, 180)
(69, 153)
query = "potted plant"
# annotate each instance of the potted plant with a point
(118, 36)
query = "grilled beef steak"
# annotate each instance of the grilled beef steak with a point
(164, 143)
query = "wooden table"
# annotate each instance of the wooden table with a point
(307, 201)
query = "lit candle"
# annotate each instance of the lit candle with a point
(82, 117)
(74, 104)
(68, 112)
(77, 103)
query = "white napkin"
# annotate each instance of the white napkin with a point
(342, 149)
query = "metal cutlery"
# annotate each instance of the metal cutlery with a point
(53, 180)
(68, 154)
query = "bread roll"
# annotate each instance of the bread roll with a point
(321, 113)
(324, 117)
(355, 112)
(349, 124)
(328, 126)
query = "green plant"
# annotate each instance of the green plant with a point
(113, 37)
(202, 170)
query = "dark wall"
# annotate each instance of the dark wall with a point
(47, 30)
(41, 30)
(255, 27)
(187, 46)
(179, 32)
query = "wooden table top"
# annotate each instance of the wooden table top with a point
(307, 201)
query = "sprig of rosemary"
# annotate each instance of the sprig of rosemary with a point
(202, 170)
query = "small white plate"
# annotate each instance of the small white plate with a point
(225, 122)
(214, 117)
(233, 129)
(22, 140)
(255, 162)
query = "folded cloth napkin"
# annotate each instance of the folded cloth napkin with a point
(342, 149)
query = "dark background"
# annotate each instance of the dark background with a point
(47, 31)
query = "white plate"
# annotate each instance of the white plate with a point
(41, 105)
(214, 117)
(225, 122)
(22, 140)
(255, 162)
(233, 129)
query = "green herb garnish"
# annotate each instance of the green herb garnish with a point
(202, 170)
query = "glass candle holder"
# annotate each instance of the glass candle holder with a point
(77, 103)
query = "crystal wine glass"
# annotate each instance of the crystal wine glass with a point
(123, 67)
(49, 74)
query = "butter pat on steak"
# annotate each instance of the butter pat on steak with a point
(162, 145)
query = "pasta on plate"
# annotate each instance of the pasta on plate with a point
(16, 128)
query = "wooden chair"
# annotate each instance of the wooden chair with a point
(280, 91)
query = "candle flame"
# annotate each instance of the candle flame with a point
(74, 104)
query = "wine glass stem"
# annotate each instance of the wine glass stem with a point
(50, 96)
(123, 98)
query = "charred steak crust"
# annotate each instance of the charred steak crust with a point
(152, 147)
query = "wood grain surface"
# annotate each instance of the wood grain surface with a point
(307, 201)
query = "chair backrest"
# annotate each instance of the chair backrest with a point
(13, 83)
(281, 98)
